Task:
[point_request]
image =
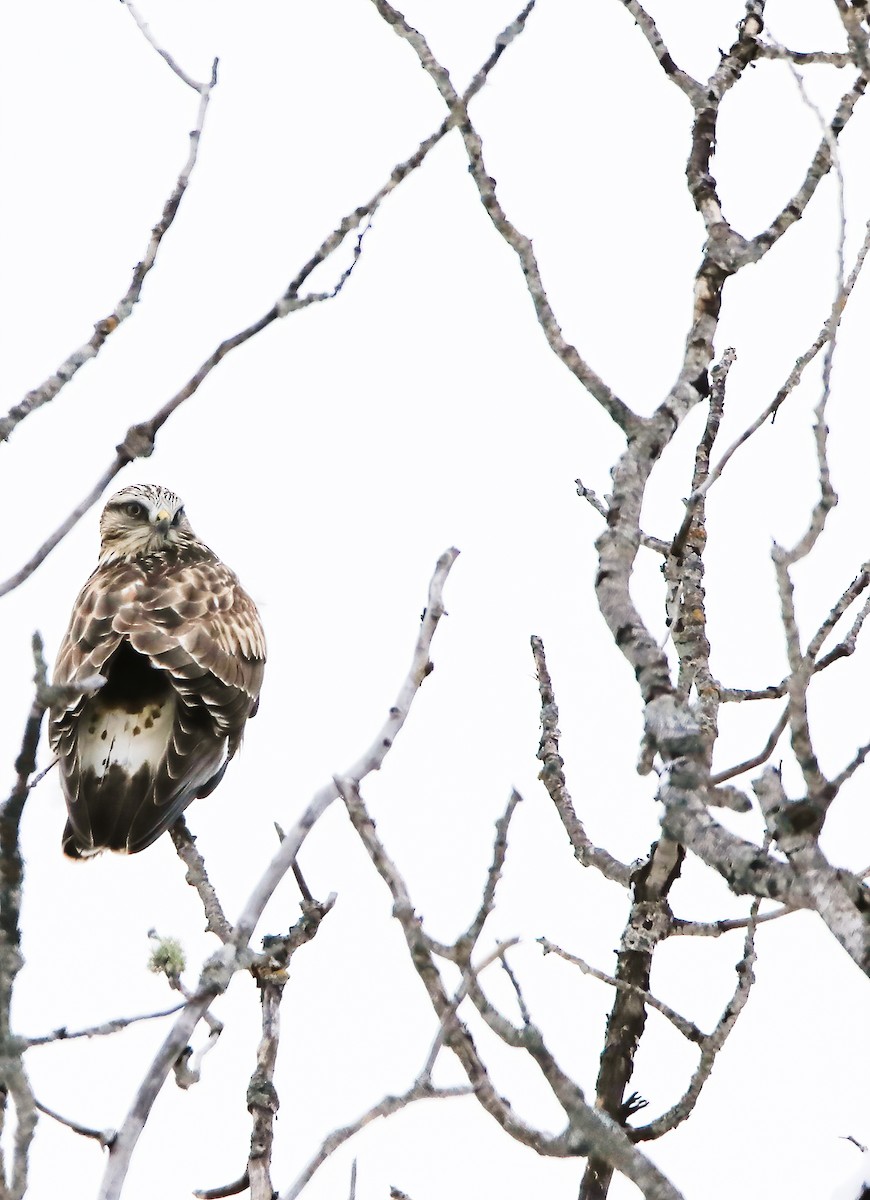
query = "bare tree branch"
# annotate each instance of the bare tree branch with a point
(587, 1127)
(139, 439)
(219, 969)
(107, 325)
(799, 663)
(843, 649)
(691, 87)
(727, 246)
(717, 928)
(519, 243)
(757, 759)
(711, 1045)
(851, 767)
(467, 941)
(197, 877)
(14, 1083)
(745, 866)
(687, 1028)
(818, 169)
(104, 1136)
(679, 695)
(385, 1108)
(651, 543)
(552, 775)
(851, 16)
(647, 924)
(262, 1098)
(470, 973)
(228, 1189)
(104, 1029)
(164, 54)
(824, 336)
(803, 58)
(841, 900)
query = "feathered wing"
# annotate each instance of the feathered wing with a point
(181, 646)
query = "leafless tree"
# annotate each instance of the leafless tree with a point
(785, 869)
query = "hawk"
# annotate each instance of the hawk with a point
(181, 649)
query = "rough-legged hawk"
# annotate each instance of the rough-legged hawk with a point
(181, 648)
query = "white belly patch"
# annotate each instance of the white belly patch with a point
(113, 736)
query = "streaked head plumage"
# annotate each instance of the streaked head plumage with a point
(143, 519)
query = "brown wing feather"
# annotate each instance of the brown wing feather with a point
(191, 622)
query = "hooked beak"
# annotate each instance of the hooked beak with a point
(162, 521)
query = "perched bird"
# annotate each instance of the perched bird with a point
(181, 648)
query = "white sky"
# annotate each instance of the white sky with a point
(331, 460)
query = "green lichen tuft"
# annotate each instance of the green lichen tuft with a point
(167, 958)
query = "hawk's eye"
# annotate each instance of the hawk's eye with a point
(134, 509)
(176, 520)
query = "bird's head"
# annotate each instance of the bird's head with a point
(142, 519)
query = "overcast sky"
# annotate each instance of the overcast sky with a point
(332, 459)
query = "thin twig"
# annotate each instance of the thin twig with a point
(681, 928)
(107, 325)
(103, 1030)
(851, 767)
(104, 1136)
(796, 373)
(518, 991)
(757, 759)
(844, 602)
(803, 58)
(658, 545)
(849, 643)
(687, 1028)
(499, 851)
(297, 873)
(821, 164)
(164, 54)
(40, 775)
(470, 972)
(843, 649)
(700, 480)
(384, 1108)
(848, 1138)
(227, 1189)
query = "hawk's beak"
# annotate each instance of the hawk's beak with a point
(162, 521)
